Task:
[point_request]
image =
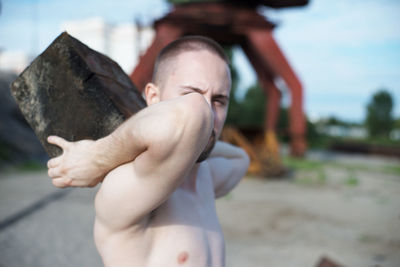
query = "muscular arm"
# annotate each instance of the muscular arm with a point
(156, 129)
(157, 148)
(171, 144)
(228, 165)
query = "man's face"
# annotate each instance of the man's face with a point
(207, 74)
(202, 72)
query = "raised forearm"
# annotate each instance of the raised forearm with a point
(158, 124)
(228, 165)
(86, 162)
(118, 147)
(156, 129)
(225, 150)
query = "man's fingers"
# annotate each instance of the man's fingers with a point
(56, 172)
(62, 182)
(54, 162)
(58, 141)
(53, 173)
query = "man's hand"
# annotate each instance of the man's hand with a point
(78, 166)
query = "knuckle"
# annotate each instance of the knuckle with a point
(56, 184)
(63, 170)
(68, 182)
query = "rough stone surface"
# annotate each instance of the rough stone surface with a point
(74, 92)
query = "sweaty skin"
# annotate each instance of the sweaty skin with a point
(156, 204)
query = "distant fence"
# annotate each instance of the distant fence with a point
(364, 148)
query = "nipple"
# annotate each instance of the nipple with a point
(183, 257)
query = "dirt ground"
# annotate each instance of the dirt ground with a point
(344, 207)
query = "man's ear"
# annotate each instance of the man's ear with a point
(152, 93)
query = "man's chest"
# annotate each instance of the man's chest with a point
(189, 209)
(187, 229)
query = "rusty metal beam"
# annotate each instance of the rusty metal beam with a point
(263, 43)
(229, 23)
(266, 80)
(142, 74)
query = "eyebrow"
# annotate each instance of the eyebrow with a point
(196, 89)
(201, 91)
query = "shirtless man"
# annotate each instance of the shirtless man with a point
(156, 203)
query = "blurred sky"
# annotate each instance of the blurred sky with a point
(343, 51)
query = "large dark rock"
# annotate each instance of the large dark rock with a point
(74, 92)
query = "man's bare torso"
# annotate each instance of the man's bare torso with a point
(182, 231)
(159, 209)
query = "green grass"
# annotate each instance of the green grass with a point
(352, 181)
(5, 151)
(391, 169)
(304, 180)
(302, 164)
(7, 163)
(312, 172)
(307, 165)
(321, 176)
(366, 238)
(30, 166)
(309, 180)
(383, 200)
(228, 196)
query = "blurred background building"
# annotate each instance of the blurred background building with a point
(124, 42)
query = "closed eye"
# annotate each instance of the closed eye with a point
(221, 100)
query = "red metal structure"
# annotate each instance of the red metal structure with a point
(230, 23)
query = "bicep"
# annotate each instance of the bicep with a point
(133, 190)
(122, 199)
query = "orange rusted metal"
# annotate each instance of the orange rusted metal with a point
(267, 49)
(165, 33)
(231, 23)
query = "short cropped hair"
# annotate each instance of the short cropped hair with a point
(184, 44)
